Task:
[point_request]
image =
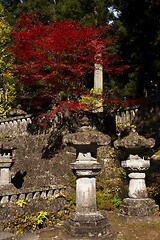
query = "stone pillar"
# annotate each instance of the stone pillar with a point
(5, 164)
(137, 185)
(98, 77)
(98, 84)
(87, 221)
(86, 168)
(138, 206)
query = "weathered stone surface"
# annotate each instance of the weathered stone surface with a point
(90, 137)
(33, 167)
(138, 207)
(89, 225)
(137, 175)
(137, 188)
(6, 236)
(134, 142)
(135, 164)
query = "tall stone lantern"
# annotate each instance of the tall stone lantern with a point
(87, 221)
(138, 204)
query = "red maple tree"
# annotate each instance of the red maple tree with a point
(56, 57)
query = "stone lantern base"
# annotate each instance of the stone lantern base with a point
(91, 226)
(134, 209)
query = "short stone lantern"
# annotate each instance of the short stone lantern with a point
(87, 221)
(138, 204)
(5, 164)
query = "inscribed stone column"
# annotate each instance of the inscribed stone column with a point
(138, 204)
(98, 83)
(98, 77)
(87, 221)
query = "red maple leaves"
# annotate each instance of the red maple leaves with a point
(56, 57)
(59, 54)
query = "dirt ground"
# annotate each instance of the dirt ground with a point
(123, 230)
(133, 231)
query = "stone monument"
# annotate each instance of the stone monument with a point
(5, 175)
(87, 221)
(138, 205)
(98, 83)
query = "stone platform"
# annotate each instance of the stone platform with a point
(138, 207)
(91, 226)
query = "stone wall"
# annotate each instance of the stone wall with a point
(38, 157)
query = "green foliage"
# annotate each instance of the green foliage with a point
(72, 181)
(92, 101)
(111, 182)
(130, 89)
(7, 85)
(104, 200)
(7, 99)
(42, 216)
(25, 222)
(116, 201)
(21, 203)
(109, 188)
(71, 199)
(107, 199)
(92, 12)
(138, 28)
(154, 190)
(44, 8)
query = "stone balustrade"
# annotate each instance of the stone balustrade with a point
(31, 194)
(21, 125)
(15, 126)
(132, 115)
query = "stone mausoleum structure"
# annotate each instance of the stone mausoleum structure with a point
(87, 221)
(138, 205)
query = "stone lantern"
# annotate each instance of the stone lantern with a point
(87, 221)
(5, 164)
(134, 146)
